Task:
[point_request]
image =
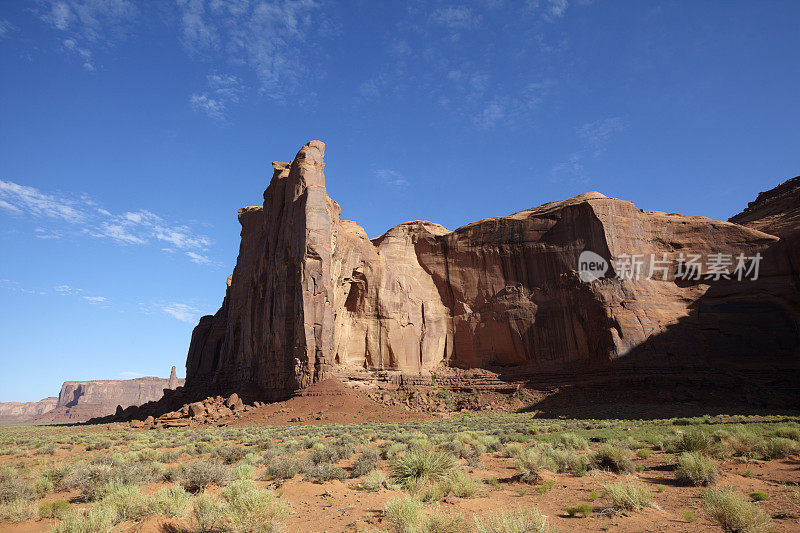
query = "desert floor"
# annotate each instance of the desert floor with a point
(453, 473)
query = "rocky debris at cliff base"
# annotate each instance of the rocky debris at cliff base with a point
(211, 410)
(445, 400)
(327, 402)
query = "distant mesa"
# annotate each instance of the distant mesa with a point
(80, 401)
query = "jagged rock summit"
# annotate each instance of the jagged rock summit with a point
(311, 296)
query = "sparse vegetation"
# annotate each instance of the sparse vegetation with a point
(628, 496)
(612, 458)
(516, 521)
(734, 513)
(696, 469)
(200, 474)
(438, 461)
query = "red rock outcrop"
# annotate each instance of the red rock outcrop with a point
(776, 211)
(311, 295)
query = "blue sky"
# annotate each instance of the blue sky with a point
(131, 132)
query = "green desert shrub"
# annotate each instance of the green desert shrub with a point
(171, 501)
(206, 513)
(693, 441)
(283, 467)
(630, 496)
(230, 454)
(696, 469)
(583, 509)
(88, 478)
(56, 474)
(17, 510)
(373, 481)
(462, 485)
(439, 521)
(198, 475)
(249, 509)
(734, 513)
(777, 448)
(391, 451)
(570, 441)
(404, 514)
(54, 509)
(529, 462)
(244, 471)
(127, 500)
(422, 465)
(12, 488)
(562, 461)
(98, 519)
(612, 458)
(325, 472)
(365, 463)
(512, 449)
(516, 521)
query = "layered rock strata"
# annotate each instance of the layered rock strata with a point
(80, 401)
(311, 295)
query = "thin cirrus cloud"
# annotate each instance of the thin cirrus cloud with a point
(220, 92)
(273, 41)
(67, 290)
(88, 24)
(135, 228)
(443, 52)
(391, 178)
(594, 138)
(183, 312)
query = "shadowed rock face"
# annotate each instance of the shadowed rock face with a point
(110, 393)
(79, 401)
(311, 294)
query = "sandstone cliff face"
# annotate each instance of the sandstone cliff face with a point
(776, 211)
(79, 401)
(19, 411)
(110, 393)
(311, 294)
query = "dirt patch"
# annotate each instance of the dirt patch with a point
(327, 402)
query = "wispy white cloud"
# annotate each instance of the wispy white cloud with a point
(84, 53)
(88, 218)
(17, 199)
(182, 312)
(221, 91)
(198, 258)
(391, 178)
(456, 17)
(131, 375)
(89, 23)
(570, 170)
(598, 134)
(15, 286)
(67, 290)
(554, 10)
(595, 137)
(273, 39)
(5, 28)
(442, 54)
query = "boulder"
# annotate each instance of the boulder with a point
(197, 410)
